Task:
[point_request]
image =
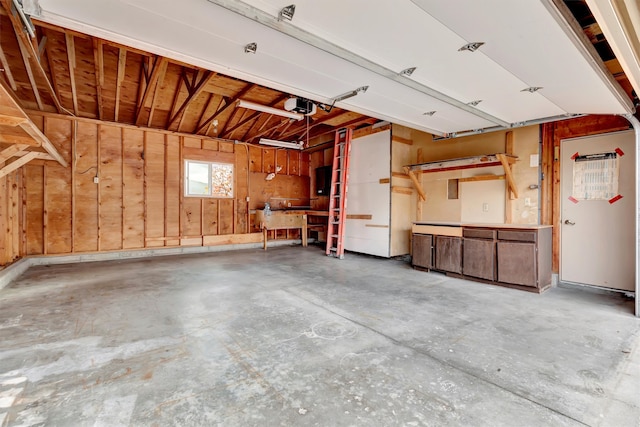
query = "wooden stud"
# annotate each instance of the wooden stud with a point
(98, 59)
(508, 205)
(71, 61)
(122, 65)
(99, 175)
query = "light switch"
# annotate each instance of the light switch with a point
(534, 160)
(485, 207)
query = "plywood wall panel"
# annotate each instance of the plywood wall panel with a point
(110, 220)
(154, 184)
(133, 189)
(255, 155)
(210, 217)
(226, 207)
(242, 189)
(85, 225)
(172, 189)
(294, 163)
(138, 199)
(191, 217)
(226, 147)
(192, 142)
(35, 209)
(268, 160)
(5, 224)
(57, 188)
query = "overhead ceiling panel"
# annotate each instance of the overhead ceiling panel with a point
(332, 47)
(526, 39)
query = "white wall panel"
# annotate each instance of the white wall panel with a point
(370, 162)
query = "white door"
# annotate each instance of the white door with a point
(597, 236)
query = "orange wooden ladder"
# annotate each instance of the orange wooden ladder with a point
(338, 194)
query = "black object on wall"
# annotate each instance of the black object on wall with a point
(323, 180)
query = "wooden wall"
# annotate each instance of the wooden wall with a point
(138, 201)
(11, 191)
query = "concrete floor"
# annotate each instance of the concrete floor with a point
(290, 337)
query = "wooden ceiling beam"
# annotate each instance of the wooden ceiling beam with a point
(98, 60)
(71, 61)
(32, 80)
(7, 70)
(9, 152)
(10, 107)
(122, 66)
(230, 102)
(23, 160)
(156, 91)
(29, 52)
(159, 68)
(197, 87)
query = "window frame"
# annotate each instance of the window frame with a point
(211, 166)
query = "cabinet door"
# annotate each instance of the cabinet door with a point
(517, 263)
(449, 254)
(478, 258)
(422, 250)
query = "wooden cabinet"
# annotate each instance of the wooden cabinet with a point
(506, 255)
(524, 257)
(422, 251)
(449, 254)
(479, 253)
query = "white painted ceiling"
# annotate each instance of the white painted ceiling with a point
(334, 46)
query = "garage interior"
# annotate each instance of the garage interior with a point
(133, 291)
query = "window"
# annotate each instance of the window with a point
(207, 179)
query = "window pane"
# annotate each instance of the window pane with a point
(198, 184)
(222, 180)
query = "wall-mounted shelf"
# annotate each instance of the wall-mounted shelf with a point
(484, 161)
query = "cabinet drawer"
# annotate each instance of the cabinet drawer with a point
(478, 233)
(517, 235)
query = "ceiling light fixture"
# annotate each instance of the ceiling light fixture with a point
(267, 109)
(429, 113)
(282, 144)
(287, 12)
(474, 103)
(531, 89)
(407, 71)
(251, 48)
(471, 47)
